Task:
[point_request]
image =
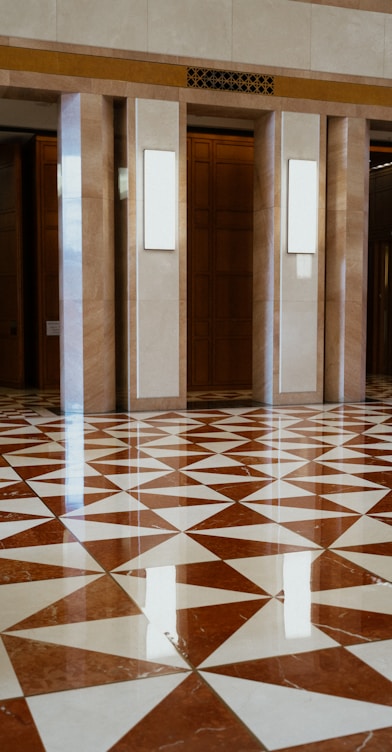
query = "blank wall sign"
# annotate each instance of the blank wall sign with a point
(302, 206)
(159, 200)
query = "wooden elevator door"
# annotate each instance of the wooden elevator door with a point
(379, 307)
(12, 341)
(47, 261)
(220, 254)
(29, 290)
(379, 326)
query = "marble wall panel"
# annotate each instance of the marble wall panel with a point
(271, 32)
(266, 223)
(264, 165)
(298, 356)
(328, 37)
(71, 347)
(121, 24)
(299, 278)
(86, 255)
(158, 348)
(157, 272)
(263, 351)
(355, 353)
(125, 249)
(98, 355)
(183, 27)
(346, 41)
(346, 260)
(31, 20)
(263, 259)
(388, 47)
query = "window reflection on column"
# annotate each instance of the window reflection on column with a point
(297, 597)
(160, 608)
(74, 461)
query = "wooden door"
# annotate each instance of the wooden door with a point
(220, 250)
(379, 309)
(47, 264)
(11, 268)
(379, 321)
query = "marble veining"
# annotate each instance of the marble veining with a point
(217, 578)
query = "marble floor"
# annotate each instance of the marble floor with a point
(215, 579)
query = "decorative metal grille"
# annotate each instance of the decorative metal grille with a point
(221, 80)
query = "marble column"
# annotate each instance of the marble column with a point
(288, 336)
(266, 239)
(87, 349)
(346, 259)
(150, 284)
(125, 243)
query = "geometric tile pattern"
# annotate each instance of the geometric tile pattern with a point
(379, 387)
(223, 395)
(210, 579)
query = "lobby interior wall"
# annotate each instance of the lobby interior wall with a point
(42, 60)
(282, 33)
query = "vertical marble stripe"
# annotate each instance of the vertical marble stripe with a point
(157, 272)
(299, 272)
(266, 238)
(87, 253)
(346, 259)
(125, 243)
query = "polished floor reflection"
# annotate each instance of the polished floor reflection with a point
(211, 579)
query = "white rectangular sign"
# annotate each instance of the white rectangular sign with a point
(302, 206)
(159, 200)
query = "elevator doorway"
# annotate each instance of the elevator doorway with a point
(12, 306)
(379, 308)
(29, 286)
(220, 260)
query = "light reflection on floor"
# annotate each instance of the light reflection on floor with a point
(207, 579)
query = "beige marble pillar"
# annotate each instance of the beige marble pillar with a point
(288, 334)
(86, 254)
(346, 259)
(266, 243)
(159, 281)
(150, 284)
(125, 242)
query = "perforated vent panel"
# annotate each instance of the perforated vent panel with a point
(221, 80)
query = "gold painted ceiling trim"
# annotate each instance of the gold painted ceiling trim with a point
(173, 74)
(91, 66)
(375, 6)
(333, 91)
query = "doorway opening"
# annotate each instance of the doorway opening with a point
(29, 294)
(29, 290)
(379, 306)
(220, 264)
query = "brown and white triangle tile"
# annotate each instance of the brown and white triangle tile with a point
(273, 631)
(177, 721)
(178, 549)
(329, 672)
(126, 636)
(85, 718)
(20, 600)
(308, 716)
(17, 729)
(42, 667)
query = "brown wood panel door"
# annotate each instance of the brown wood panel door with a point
(220, 250)
(47, 264)
(11, 268)
(379, 321)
